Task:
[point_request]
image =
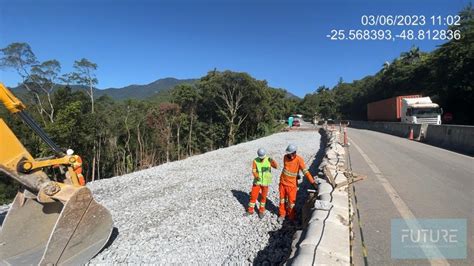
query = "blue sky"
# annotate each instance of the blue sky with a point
(283, 42)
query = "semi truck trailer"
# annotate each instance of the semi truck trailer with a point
(413, 109)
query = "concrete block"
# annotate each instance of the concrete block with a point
(453, 137)
(320, 180)
(296, 238)
(340, 197)
(322, 205)
(337, 240)
(339, 216)
(304, 256)
(313, 233)
(328, 257)
(318, 215)
(324, 188)
(326, 197)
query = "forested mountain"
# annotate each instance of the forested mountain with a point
(158, 87)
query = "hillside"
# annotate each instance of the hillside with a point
(143, 91)
(157, 90)
(130, 91)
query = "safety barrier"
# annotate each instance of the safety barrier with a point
(452, 137)
(325, 237)
(393, 128)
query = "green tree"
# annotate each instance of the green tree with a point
(187, 97)
(38, 79)
(84, 75)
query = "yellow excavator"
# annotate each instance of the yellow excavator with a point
(52, 221)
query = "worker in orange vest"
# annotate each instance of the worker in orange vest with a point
(262, 178)
(292, 164)
(77, 166)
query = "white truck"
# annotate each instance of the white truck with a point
(420, 111)
(407, 109)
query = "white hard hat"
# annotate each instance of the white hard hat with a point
(261, 153)
(290, 149)
(69, 152)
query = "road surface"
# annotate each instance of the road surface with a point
(406, 179)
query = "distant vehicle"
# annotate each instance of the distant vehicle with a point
(296, 123)
(412, 109)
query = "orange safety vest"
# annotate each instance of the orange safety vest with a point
(77, 167)
(291, 167)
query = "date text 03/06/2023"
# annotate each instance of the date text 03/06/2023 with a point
(400, 27)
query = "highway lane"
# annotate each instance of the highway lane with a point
(422, 181)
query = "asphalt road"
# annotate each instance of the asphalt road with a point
(406, 179)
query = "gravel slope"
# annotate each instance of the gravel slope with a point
(191, 211)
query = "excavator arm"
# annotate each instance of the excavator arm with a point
(49, 222)
(12, 103)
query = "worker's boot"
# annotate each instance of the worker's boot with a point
(261, 215)
(249, 212)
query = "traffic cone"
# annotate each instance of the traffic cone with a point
(410, 135)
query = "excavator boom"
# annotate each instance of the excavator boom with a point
(49, 222)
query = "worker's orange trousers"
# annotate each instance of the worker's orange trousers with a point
(254, 195)
(287, 201)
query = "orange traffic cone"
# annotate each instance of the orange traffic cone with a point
(410, 135)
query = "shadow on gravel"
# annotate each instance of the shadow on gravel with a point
(2, 217)
(113, 236)
(244, 198)
(278, 249)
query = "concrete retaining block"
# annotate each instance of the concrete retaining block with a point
(318, 216)
(296, 238)
(393, 128)
(329, 257)
(324, 188)
(333, 244)
(452, 137)
(304, 256)
(325, 240)
(314, 232)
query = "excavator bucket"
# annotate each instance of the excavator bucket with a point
(54, 233)
(50, 222)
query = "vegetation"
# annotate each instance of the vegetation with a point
(446, 75)
(119, 137)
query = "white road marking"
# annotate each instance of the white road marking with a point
(402, 207)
